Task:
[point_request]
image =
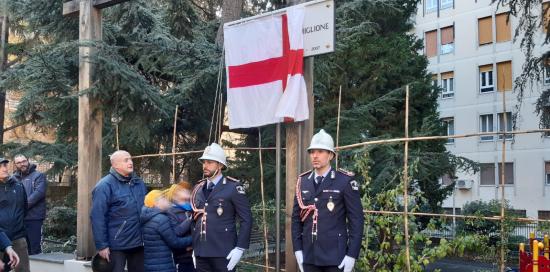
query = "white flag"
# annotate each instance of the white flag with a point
(264, 65)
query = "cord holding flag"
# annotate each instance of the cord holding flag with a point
(264, 66)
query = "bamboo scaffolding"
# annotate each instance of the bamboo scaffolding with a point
(264, 221)
(429, 138)
(174, 144)
(502, 187)
(338, 123)
(406, 184)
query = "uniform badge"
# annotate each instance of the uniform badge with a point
(330, 204)
(240, 189)
(354, 185)
(219, 210)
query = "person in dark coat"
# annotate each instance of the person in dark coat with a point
(13, 204)
(327, 218)
(35, 186)
(219, 203)
(158, 235)
(181, 215)
(116, 207)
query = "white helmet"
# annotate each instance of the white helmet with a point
(322, 140)
(214, 152)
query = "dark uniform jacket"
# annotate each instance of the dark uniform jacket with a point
(335, 237)
(116, 207)
(13, 204)
(221, 230)
(159, 238)
(35, 186)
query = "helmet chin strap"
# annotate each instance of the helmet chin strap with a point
(213, 175)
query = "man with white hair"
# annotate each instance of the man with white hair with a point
(117, 200)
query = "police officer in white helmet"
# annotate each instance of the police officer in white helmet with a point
(327, 219)
(218, 201)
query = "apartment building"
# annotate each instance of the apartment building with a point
(473, 57)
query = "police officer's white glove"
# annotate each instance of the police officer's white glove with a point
(194, 260)
(300, 259)
(234, 257)
(347, 264)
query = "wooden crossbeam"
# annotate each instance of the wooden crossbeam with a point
(73, 7)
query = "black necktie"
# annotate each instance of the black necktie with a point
(318, 181)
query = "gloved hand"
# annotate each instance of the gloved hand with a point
(234, 257)
(194, 260)
(347, 264)
(300, 259)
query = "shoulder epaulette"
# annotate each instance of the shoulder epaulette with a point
(231, 179)
(347, 173)
(305, 173)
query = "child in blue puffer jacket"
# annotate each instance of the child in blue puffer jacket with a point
(158, 235)
(181, 215)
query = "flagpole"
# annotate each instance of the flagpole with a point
(278, 198)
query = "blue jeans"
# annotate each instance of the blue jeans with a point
(34, 236)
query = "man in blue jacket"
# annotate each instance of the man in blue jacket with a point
(13, 206)
(35, 187)
(117, 200)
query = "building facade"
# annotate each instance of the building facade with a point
(473, 57)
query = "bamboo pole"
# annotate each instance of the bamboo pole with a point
(502, 184)
(117, 137)
(264, 223)
(174, 144)
(428, 138)
(406, 183)
(338, 123)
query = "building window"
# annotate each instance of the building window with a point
(487, 174)
(445, 4)
(547, 173)
(486, 125)
(485, 30)
(450, 210)
(447, 39)
(508, 125)
(546, 74)
(518, 213)
(486, 78)
(446, 180)
(431, 43)
(449, 124)
(544, 215)
(447, 85)
(504, 76)
(504, 32)
(545, 16)
(431, 6)
(508, 172)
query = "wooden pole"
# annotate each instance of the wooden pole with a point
(174, 141)
(90, 124)
(291, 155)
(406, 184)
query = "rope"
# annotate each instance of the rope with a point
(218, 88)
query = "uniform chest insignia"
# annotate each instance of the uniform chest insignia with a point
(331, 191)
(305, 192)
(354, 185)
(240, 189)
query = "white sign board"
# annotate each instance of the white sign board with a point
(318, 27)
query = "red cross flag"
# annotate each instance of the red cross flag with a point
(264, 62)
